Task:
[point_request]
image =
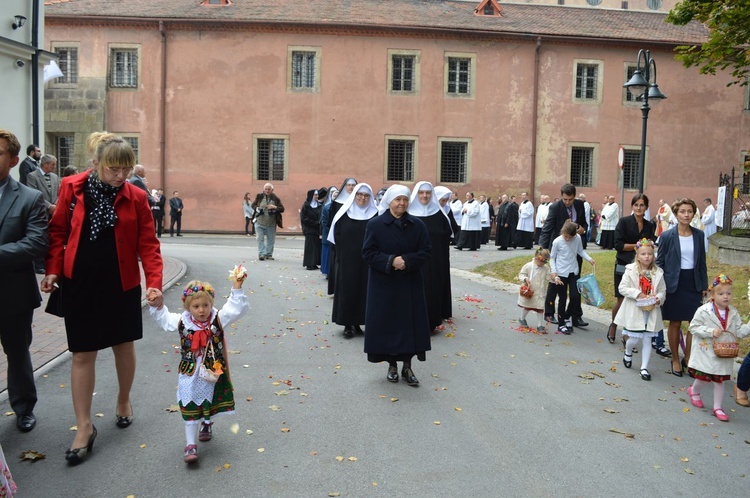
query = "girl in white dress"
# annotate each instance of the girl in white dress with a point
(201, 329)
(536, 276)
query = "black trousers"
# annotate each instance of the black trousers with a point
(560, 292)
(158, 222)
(15, 335)
(175, 219)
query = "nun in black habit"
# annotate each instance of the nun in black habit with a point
(309, 216)
(348, 233)
(344, 193)
(436, 272)
(396, 247)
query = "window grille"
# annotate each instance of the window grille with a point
(453, 162)
(459, 69)
(582, 166)
(303, 69)
(629, 97)
(271, 159)
(124, 68)
(133, 141)
(586, 81)
(630, 169)
(64, 145)
(400, 161)
(68, 62)
(403, 73)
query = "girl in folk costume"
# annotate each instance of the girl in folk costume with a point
(534, 277)
(710, 321)
(203, 347)
(644, 291)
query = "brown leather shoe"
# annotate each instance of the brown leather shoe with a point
(740, 397)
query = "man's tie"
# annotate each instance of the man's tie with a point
(570, 213)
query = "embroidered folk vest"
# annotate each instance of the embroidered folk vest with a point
(187, 360)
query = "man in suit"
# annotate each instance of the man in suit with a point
(139, 180)
(23, 238)
(31, 163)
(175, 214)
(567, 208)
(158, 210)
(48, 183)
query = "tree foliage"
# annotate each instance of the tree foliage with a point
(727, 47)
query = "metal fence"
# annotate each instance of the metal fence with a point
(736, 213)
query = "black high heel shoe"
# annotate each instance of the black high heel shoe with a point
(124, 422)
(612, 333)
(74, 456)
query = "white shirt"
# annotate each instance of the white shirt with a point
(563, 255)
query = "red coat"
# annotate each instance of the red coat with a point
(134, 234)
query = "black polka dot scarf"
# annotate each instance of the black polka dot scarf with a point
(102, 200)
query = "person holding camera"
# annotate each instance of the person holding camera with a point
(268, 209)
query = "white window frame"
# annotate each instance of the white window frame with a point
(415, 156)
(594, 161)
(291, 50)
(57, 82)
(472, 74)
(256, 138)
(416, 73)
(597, 99)
(110, 69)
(465, 140)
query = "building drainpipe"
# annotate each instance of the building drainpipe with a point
(163, 131)
(35, 73)
(532, 180)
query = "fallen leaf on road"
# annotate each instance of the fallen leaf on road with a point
(8, 414)
(235, 428)
(626, 434)
(32, 456)
(393, 400)
(689, 471)
(437, 422)
(285, 429)
(586, 376)
(657, 467)
(612, 384)
(684, 459)
(249, 398)
(352, 459)
(99, 415)
(457, 409)
(598, 374)
(226, 465)
(261, 450)
(685, 410)
(620, 400)
(334, 493)
(610, 410)
(274, 408)
(283, 392)
(74, 428)
(339, 459)
(574, 362)
(172, 408)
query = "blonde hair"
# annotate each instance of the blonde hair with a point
(640, 246)
(110, 150)
(196, 289)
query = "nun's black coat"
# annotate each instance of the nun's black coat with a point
(310, 219)
(436, 272)
(350, 291)
(396, 323)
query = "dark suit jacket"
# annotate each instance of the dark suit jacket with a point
(23, 239)
(36, 181)
(27, 166)
(175, 204)
(556, 217)
(669, 255)
(136, 180)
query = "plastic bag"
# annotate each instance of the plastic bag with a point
(589, 289)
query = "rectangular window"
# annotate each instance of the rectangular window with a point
(123, 68)
(303, 69)
(133, 141)
(68, 63)
(271, 156)
(630, 168)
(582, 166)
(459, 75)
(400, 161)
(627, 96)
(403, 73)
(454, 161)
(586, 81)
(64, 145)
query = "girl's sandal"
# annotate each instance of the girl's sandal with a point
(696, 400)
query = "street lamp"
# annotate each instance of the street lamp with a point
(640, 84)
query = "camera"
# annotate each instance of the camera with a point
(260, 212)
(20, 63)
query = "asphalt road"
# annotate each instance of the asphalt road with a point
(498, 412)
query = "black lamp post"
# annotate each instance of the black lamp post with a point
(640, 84)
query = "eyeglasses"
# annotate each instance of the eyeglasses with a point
(363, 196)
(119, 171)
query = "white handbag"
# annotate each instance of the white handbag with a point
(204, 372)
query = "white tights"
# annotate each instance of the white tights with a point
(540, 316)
(718, 391)
(191, 431)
(645, 349)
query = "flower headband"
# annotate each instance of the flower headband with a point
(189, 291)
(538, 253)
(643, 242)
(721, 279)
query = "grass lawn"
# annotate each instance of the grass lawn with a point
(605, 263)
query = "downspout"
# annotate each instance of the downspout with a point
(532, 180)
(35, 72)
(163, 131)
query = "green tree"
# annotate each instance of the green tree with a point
(728, 22)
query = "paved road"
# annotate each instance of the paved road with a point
(498, 412)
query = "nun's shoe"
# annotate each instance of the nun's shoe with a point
(359, 330)
(392, 374)
(348, 332)
(409, 377)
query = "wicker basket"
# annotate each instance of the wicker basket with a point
(726, 345)
(526, 291)
(646, 303)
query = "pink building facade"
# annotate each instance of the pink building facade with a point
(221, 99)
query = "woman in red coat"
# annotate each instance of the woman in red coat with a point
(103, 226)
